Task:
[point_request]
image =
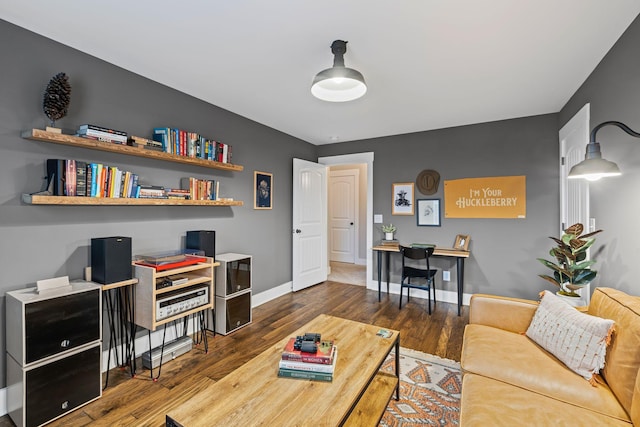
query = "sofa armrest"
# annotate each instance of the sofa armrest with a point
(510, 314)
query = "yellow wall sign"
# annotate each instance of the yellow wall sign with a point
(491, 197)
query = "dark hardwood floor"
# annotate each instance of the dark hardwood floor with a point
(139, 401)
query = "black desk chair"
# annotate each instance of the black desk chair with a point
(410, 272)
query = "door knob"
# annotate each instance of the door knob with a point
(297, 231)
(350, 223)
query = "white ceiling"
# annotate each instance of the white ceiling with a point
(428, 64)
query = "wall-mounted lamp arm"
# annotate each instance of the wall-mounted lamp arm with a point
(622, 126)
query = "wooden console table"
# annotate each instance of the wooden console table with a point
(253, 394)
(459, 255)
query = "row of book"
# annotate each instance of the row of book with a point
(319, 365)
(191, 144)
(69, 177)
(169, 140)
(201, 189)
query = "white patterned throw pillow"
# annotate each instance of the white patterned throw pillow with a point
(578, 339)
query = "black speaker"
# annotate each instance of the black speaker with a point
(204, 240)
(111, 259)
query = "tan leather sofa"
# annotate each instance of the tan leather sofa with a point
(508, 380)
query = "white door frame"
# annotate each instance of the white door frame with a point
(359, 158)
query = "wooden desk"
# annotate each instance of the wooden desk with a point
(253, 394)
(459, 255)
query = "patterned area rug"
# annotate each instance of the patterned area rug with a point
(429, 391)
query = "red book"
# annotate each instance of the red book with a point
(323, 355)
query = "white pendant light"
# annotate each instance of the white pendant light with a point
(339, 83)
(594, 167)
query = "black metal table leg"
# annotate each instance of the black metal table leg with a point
(460, 273)
(379, 273)
(398, 367)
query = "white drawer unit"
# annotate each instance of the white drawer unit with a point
(53, 351)
(233, 292)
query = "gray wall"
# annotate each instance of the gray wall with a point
(38, 242)
(613, 90)
(504, 251)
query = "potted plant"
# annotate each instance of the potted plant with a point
(388, 231)
(571, 270)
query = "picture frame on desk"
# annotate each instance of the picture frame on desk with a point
(428, 212)
(402, 198)
(262, 190)
(462, 242)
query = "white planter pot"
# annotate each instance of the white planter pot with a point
(388, 236)
(572, 301)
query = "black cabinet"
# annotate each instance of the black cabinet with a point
(53, 351)
(58, 324)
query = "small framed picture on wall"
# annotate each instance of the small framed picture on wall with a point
(402, 198)
(428, 212)
(262, 190)
(462, 242)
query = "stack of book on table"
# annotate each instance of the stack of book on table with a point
(316, 365)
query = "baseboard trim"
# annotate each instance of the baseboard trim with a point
(271, 294)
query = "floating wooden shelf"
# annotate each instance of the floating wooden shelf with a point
(98, 201)
(76, 141)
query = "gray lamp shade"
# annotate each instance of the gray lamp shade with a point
(594, 167)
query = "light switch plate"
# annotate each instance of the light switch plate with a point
(377, 219)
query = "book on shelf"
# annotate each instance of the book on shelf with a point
(190, 144)
(81, 178)
(177, 193)
(140, 142)
(324, 353)
(150, 192)
(201, 189)
(55, 176)
(102, 129)
(70, 177)
(107, 135)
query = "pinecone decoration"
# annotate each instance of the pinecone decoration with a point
(57, 97)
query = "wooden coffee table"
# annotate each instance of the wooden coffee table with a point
(253, 394)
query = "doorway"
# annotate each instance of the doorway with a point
(364, 162)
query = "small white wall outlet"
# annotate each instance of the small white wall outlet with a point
(377, 219)
(446, 275)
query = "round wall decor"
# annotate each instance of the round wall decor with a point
(428, 181)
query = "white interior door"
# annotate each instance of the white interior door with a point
(309, 224)
(343, 208)
(574, 193)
